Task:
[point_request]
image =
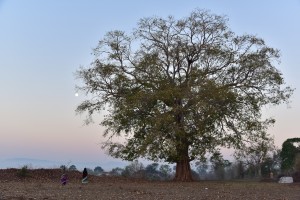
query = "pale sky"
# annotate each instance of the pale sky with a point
(42, 44)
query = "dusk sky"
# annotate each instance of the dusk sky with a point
(43, 43)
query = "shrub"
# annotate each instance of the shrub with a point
(23, 172)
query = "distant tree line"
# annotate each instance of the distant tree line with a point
(258, 159)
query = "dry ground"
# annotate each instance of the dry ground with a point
(44, 184)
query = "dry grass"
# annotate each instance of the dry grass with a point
(45, 184)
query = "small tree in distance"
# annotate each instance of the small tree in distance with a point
(98, 170)
(166, 171)
(202, 168)
(151, 172)
(255, 151)
(219, 165)
(72, 168)
(134, 169)
(178, 89)
(116, 171)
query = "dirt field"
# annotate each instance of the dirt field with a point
(45, 184)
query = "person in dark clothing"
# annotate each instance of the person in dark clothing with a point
(84, 176)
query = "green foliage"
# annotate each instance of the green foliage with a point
(240, 170)
(219, 165)
(165, 172)
(155, 172)
(151, 167)
(178, 89)
(23, 172)
(117, 171)
(134, 169)
(288, 154)
(271, 164)
(256, 151)
(151, 172)
(266, 167)
(98, 170)
(63, 167)
(72, 168)
(202, 168)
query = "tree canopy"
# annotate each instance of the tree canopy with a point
(72, 168)
(288, 154)
(178, 89)
(98, 169)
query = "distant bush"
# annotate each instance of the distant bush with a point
(23, 172)
(116, 171)
(98, 170)
(72, 168)
(134, 170)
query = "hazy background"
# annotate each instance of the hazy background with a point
(42, 44)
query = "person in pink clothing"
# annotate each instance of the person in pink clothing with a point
(64, 177)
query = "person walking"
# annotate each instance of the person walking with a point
(84, 176)
(64, 177)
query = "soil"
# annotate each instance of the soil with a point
(45, 184)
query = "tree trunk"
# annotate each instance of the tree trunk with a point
(259, 171)
(183, 170)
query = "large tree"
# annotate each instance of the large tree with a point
(178, 89)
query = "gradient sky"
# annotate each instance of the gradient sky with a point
(42, 44)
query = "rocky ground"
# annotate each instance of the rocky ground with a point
(45, 184)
